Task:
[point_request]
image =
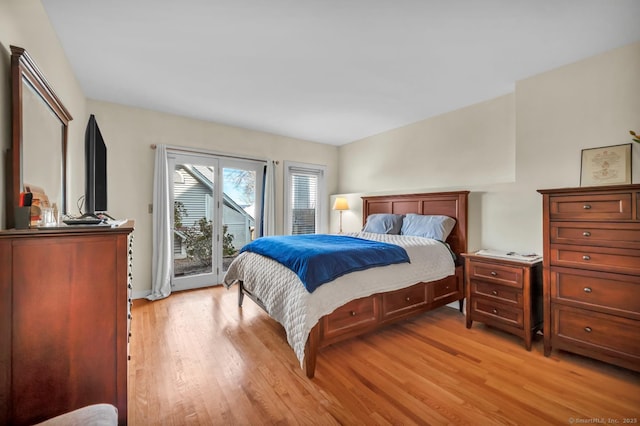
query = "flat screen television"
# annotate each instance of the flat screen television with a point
(95, 153)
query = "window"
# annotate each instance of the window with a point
(304, 198)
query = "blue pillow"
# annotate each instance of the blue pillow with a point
(383, 223)
(429, 226)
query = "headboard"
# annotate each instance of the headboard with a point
(453, 204)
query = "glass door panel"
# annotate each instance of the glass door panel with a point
(194, 221)
(242, 183)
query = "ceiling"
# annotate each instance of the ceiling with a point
(330, 71)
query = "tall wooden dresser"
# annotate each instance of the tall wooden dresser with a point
(592, 272)
(64, 309)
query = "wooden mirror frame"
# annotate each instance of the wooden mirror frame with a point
(24, 69)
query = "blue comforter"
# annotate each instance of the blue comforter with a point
(320, 258)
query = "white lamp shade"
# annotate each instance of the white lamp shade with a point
(341, 204)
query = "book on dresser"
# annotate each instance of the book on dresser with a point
(510, 255)
(592, 272)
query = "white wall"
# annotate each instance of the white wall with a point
(474, 143)
(504, 149)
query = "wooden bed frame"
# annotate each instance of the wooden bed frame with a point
(371, 313)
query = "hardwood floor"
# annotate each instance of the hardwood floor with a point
(196, 358)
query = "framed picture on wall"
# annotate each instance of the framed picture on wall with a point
(608, 165)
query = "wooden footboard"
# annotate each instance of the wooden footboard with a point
(371, 313)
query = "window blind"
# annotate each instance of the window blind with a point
(304, 200)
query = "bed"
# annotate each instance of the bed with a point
(376, 297)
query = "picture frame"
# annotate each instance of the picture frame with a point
(608, 165)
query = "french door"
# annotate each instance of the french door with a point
(216, 205)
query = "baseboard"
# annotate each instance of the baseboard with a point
(140, 294)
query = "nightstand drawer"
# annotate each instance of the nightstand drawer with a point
(622, 235)
(599, 331)
(596, 258)
(616, 293)
(504, 294)
(616, 206)
(498, 274)
(497, 311)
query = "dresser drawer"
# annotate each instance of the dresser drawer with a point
(404, 299)
(596, 258)
(614, 293)
(355, 315)
(601, 332)
(622, 235)
(497, 311)
(504, 294)
(615, 206)
(498, 274)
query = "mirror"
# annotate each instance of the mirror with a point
(40, 128)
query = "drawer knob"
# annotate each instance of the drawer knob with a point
(588, 329)
(587, 290)
(586, 257)
(407, 298)
(494, 274)
(586, 234)
(494, 292)
(495, 311)
(586, 206)
(353, 313)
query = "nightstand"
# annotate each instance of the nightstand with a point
(505, 294)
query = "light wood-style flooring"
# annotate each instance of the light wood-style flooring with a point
(196, 358)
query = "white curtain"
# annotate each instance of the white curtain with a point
(161, 262)
(269, 215)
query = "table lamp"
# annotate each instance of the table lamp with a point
(340, 204)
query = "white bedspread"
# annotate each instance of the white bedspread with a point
(289, 303)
